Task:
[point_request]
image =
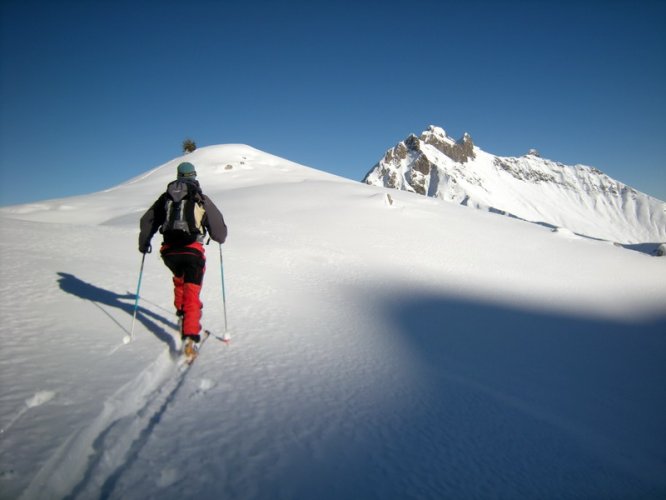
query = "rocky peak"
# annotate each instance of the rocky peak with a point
(412, 155)
(459, 151)
(412, 142)
(529, 187)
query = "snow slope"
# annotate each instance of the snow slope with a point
(385, 345)
(581, 199)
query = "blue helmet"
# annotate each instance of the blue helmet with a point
(186, 171)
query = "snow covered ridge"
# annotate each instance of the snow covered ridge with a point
(220, 168)
(581, 199)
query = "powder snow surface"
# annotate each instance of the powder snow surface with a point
(384, 345)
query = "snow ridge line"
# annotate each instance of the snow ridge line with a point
(92, 460)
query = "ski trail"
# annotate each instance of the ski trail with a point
(91, 461)
(142, 438)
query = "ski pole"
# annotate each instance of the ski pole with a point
(127, 339)
(226, 336)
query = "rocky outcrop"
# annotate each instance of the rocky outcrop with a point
(459, 151)
(420, 170)
(582, 199)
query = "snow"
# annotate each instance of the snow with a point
(405, 349)
(579, 198)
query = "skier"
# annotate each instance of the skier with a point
(183, 214)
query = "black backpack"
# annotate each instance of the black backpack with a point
(184, 213)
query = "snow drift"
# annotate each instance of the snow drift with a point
(384, 345)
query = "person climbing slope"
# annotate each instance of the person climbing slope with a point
(184, 215)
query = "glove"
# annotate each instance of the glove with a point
(147, 248)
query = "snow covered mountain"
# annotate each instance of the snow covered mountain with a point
(581, 199)
(384, 346)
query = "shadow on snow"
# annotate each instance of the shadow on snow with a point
(99, 296)
(531, 403)
(485, 401)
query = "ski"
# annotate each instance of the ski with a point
(191, 350)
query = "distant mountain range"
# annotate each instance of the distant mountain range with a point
(577, 198)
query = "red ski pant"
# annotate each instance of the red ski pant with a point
(188, 265)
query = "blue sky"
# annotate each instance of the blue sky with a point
(96, 92)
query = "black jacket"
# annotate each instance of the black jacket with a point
(155, 216)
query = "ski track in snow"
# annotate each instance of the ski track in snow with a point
(91, 461)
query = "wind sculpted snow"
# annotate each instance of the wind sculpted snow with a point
(411, 349)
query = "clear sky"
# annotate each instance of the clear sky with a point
(96, 92)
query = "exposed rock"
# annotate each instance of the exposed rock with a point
(399, 152)
(412, 142)
(527, 187)
(423, 165)
(392, 180)
(460, 151)
(418, 182)
(512, 166)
